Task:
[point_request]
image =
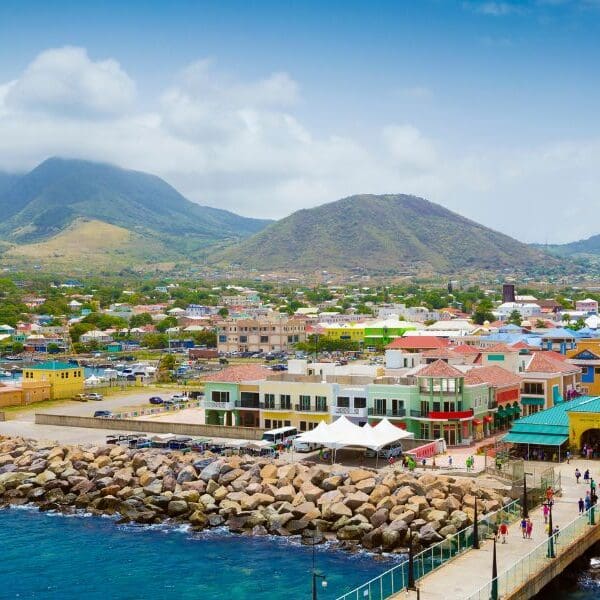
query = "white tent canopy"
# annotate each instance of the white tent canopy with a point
(343, 433)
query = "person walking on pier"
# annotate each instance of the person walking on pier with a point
(581, 505)
(503, 532)
(545, 511)
(586, 475)
(529, 528)
(588, 501)
(524, 527)
(577, 474)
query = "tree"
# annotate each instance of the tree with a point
(166, 323)
(224, 312)
(579, 324)
(540, 324)
(205, 338)
(156, 341)
(53, 348)
(140, 320)
(483, 312)
(514, 318)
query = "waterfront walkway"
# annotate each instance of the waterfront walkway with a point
(462, 577)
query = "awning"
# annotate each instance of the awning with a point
(487, 419)
(532, 401)
(477, 422)
(538, 439)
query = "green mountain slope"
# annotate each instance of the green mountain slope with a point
(589, 246)
(388, 233)
(44, 202)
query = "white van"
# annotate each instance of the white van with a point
(300, 446)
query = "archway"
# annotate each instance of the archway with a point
(591, 437)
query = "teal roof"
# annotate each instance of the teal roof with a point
(535, 439)
(549, 427)
(590, 405)
(53, 365)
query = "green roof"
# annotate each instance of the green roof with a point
(535, 439)
(591, 405)
(53, 365)
(549, 427)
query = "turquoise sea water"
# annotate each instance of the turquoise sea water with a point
(53, 557)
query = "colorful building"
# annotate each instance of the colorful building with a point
(587, 357)
(66, 380)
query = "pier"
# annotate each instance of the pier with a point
(524, 566)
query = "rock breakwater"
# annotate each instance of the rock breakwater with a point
(255, 496)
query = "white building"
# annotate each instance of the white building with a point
(587, 306)
(525, 309)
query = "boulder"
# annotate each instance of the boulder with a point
(187, 473)
(336, 510)
(198, 519)
(379, 493)
(331, 483)
(285, 494)
(357, 475)
(269, 471)
(310, 491)
(366, 485)
(44, 477)
(211, 471)
(353, 501)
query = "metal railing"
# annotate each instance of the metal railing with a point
(347, 410)
(533, 562)
(213, 404)
(247, 404)
(376, 412)
(319, 408)
(395, 579)
(275, 406)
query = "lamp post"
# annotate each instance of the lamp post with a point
(475, 528)
(411, 564)
(525, 507)
(494, 588)
(592, 505)
(551, 553)
(316, 575)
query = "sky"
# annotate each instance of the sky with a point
(489, 108)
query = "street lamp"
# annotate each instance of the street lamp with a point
(592, 505)
(475, 529)
(551, 553)
(494, 588)
(316, 574)
(525, 508)
(411, 564)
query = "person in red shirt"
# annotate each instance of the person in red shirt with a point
(503, 532)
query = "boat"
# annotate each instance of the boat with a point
(5, 374)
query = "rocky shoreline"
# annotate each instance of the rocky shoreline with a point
(359, 508)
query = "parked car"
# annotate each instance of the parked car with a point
(156, 400)
(394, 449)
(300, 446)
(95, 396)
(179, 397)
(105, 414)
(80, 398)
(279, 368)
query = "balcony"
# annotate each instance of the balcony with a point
(275, 406)
(250, 404)
(213, 405)
(375, 412)
(322, 408)
(349, 410)
(450, 414)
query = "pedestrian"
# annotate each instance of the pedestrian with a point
(556, 533)
(545, 511)
(524, 527)
(594, 498)
(549, 494)
(529, 528)
(592, 485)
(503, 532)
(450, 462)
(568, 456)
(581, 505)
(577, 474)
(586, 475)
(588, 501)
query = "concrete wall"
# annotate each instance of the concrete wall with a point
(556, 566)
(247, 433)
(2, 418)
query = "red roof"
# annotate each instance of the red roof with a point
(555, 355)
(542, 362)
(440, 353)
(441, 369)
(500, 348)
(240, 373)
(493, 375)
(466, 349)
(521, 345)
(418, 342)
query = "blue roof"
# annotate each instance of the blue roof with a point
(559, 333)
(53, 365)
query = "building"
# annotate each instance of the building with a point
(274, 334)
(588, 306)
(508, 292)
(527, 310)
(99, 337)
(586, 356)
(66, 380)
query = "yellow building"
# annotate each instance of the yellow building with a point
(32, 391)
(350, 332)
(66, 380)
(584, 423)
(587, 357)
(300, 404)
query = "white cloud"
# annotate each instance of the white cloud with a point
(494, 9)
(65, 80)
(240, 145)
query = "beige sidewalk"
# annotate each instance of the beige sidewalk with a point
(469, 572)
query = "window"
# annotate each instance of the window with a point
(222, 338)
(311, 426)
(264, 339)
(62, 375)
(290, 339)
(380, 406)
(267, 423)
(360, 403)
(304, 402)
(533, 388)
(285, 401)
(67, 375)
(302, 425)
(220, 396)
(343, 401)
(243, 339)
(321, 402)
(424, 431)
(269, 400)
(287, 423)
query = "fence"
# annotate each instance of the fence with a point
(533, 563)
(157, 410)
(396, 579)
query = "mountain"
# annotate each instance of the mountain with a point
(7, 180)
(589, 246)
(381, 234)
(60, 195)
